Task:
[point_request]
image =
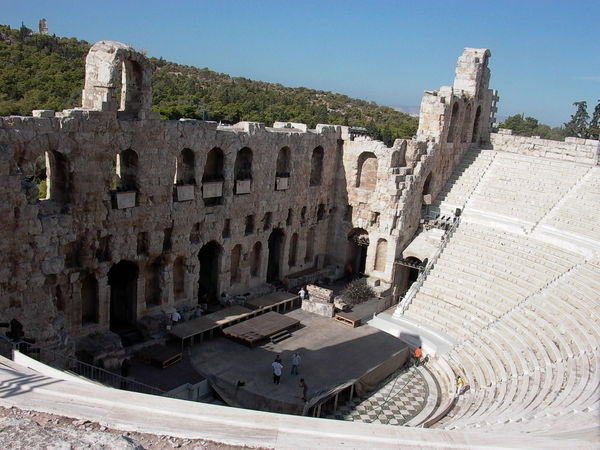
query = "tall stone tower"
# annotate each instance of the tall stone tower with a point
(43, 26)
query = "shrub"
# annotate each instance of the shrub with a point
(357, 292)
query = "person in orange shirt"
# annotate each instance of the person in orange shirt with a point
(417, 355)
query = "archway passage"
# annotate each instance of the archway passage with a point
(208, 280)
(358, 243)
(122, 278)
(409, 274)
(275, 255)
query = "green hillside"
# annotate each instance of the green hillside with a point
(47, 72)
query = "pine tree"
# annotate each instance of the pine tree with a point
(594, 128)
(578, 125)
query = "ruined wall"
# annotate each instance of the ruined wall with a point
(144, 214)
(586, 151)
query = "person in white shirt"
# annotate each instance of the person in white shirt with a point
(302, 293)
(175, 317)
(277, 366)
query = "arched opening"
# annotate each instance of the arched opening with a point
(303, 215)
(243, 164)
(275, 255)
(153, 283)
(208, 279)
(366, 177)
(256, 260)
(213, 170)
(466, 124)
(452, 131)
(131, 87)
(358, 243)
(283, 163)
(212, 178)
(316, 166)
(127, 171)
(410, 274)
(380, 255)
(179, 278)
(475, 134)
(122, 278)
(89, 300)
(310, 246)
(426, 193)
(234, 267)
(293, 251)
(399, 156)
(185, 167)
(320, 212)
(58, 177)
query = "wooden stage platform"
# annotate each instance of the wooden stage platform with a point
(206, 325)
(260, 328)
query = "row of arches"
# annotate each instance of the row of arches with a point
(469, 124)
(53, 175)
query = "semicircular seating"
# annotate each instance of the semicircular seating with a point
(524, 309)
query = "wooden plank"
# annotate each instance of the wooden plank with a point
(272, 299)
(260, 327)
(210, 321)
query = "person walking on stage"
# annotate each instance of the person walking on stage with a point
(277, 366)
(296, 363)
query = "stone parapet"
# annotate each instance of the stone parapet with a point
(585, 151)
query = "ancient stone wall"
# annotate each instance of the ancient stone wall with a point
(586, 151)
(141, 215)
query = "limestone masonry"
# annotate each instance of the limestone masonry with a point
(141, 215)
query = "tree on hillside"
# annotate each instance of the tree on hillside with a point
(578, 125)
(594, 128)
(528, 126)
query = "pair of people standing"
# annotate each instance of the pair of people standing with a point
(278, 366)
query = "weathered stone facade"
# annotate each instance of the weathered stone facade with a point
(143, 214)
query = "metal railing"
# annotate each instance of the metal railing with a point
(414, 288)
(57, 360)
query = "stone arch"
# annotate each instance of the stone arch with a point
(122, 278)
(475, 133)
(213, 169)
(283, 163)
(127, 171)
(366, 177)
(316, 166)
(58, 177)
(466, 124)
(426, 196)
(209, 258)
(185, 167)
(293, 250)
(452, 131)
(89, 300)
(255, 261)
(276, 243)
(234, 264)
(356, 254)
(179, 277)
(399, 156)
(153, 283)
(380, 255)
(109, 65)
(243, 164)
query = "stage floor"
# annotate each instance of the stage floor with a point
(332, 355)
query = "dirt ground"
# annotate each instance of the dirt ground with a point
(21, 429)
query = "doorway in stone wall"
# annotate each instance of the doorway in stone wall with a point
(208, 280)
(122, 278)
(275, 255)
(356, 255)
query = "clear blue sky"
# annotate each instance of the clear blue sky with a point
(545, 53)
